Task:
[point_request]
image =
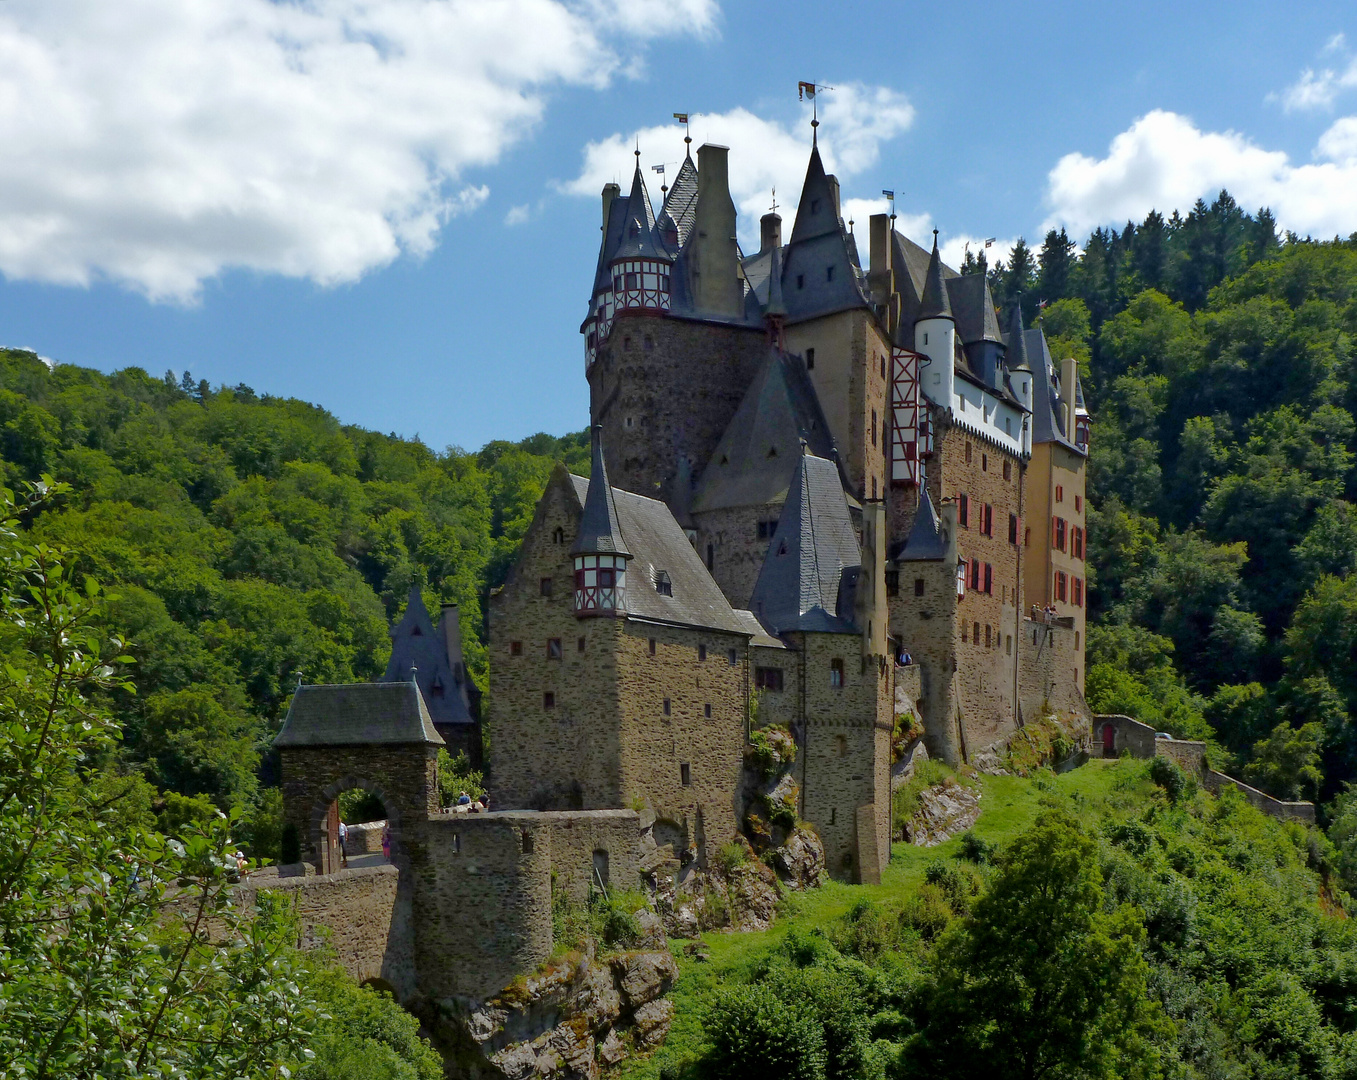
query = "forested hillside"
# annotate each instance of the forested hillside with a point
(255, 539)
(251, 541)
(1220, 364)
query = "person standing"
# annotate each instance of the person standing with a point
(343, 845)
(386, 842)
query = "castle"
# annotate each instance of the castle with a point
(835, 501)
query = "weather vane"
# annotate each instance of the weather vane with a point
(682, 118)
(808, 91)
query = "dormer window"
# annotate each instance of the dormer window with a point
(663, 585)
(829, 273)
(815, 206)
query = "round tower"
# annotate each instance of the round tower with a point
(935, 334)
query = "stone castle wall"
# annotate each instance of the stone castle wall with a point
(777, 708)
(731, 536)
(657, 742)
(664, 388)
(566, 756)
(1046, 670)
(926, 624)
(845, 754)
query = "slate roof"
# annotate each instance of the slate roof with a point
(973, 308)
(675, 223)
(925, 540)
(1017, 352)
(935, 302)
(813, 554)
(416, 643)
(600, 532)
(657, 543)
(613, 231)
(358, 714)
(1046, 425)
(638, 236)
(820, 255)
(757, 456)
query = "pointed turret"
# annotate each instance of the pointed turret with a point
(431, 656)
(638, 239)
(675, 223)
(925, 541)
(1017, 342)
(935, 303)
(821, 274)
(600, 553)
(935, 334)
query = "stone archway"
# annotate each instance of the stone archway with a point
(320, 813)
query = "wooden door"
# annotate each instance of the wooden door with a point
(331, 856)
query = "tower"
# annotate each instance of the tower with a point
(935, 334)
(599, 555)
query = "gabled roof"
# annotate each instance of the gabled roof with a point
(434, 652)
(935, 302)
(358, 714)
(675, 223)
(657, 543)
(821, 274)
(812, 556)
(925, 541)
(757, 456)
(973, 308)
(599, 532)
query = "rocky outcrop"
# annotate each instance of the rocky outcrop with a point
(800, 861)
(565, 1022)
(944, 810)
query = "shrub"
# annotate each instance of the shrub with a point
(770, 750)
(732, 856)
(927, 912)
(977, 849)
(753, 1033)
(955, 884)
(1166, 773)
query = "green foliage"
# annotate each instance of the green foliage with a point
(1286, 763)
(455, 775)
(730, 857)
(905, 799)
(770, 751)
(365, 1034)
(253, 539)
(1166, 773)
(357, 806)
(1040, 980)
(753, 1033)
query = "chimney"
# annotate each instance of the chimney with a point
(717, 289)
(1069, 376)
(880, 276)
(450, 629)
(833, 182)
(610, 192)
(770, 232)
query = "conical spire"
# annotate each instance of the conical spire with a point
(935, 303)
(599, 532)
(816, 213)
(925, 539)
(638, 231)
(1017, 342)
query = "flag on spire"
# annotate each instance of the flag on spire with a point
(805, 90)
(681, 117)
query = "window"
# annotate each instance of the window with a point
(711, 558)
(648, 343)
(706, 711)
(883, 365)
(1008, 470)
(558, 537)
(918, 586)
(975, 575)
(1077, 542)
(963, 512)
(984, 463)
(515, 648)
(987, 520)
(548, 700)
(526, 838)
(989, 579)
(964, 638)
(829, 273)
(892, 582)
(768, 678)
(810, 359)
(1008, 645)
(800, 281)
(652, 646)
(631, 281)
(1078, 592)
(840, 745)
(1012, 528)
(1059, 530)
(579, 645)
(663, 585)
(1078, 503)
(626, 343)
(987, 636)
(767, 529)
(702, 652)
(1027, 538)
(968, 453)
(836, 673)
(553, 648)
(686, 774)
(1061, 585)
(667, 707)
(1059, 493)
(544, 586)
(975, 632)
(730, 655)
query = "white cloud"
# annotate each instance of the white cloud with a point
(1317, 89)
(157, 142)
(517, 215)
(1163, 161)
(854, 121)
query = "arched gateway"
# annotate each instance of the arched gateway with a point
(374, 736)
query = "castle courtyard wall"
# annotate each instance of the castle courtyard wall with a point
(737, 552)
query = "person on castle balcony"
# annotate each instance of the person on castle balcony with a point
(464, 799)
(904, 659)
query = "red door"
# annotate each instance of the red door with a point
(1109, 741)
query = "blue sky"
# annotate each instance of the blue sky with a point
(391, 209)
